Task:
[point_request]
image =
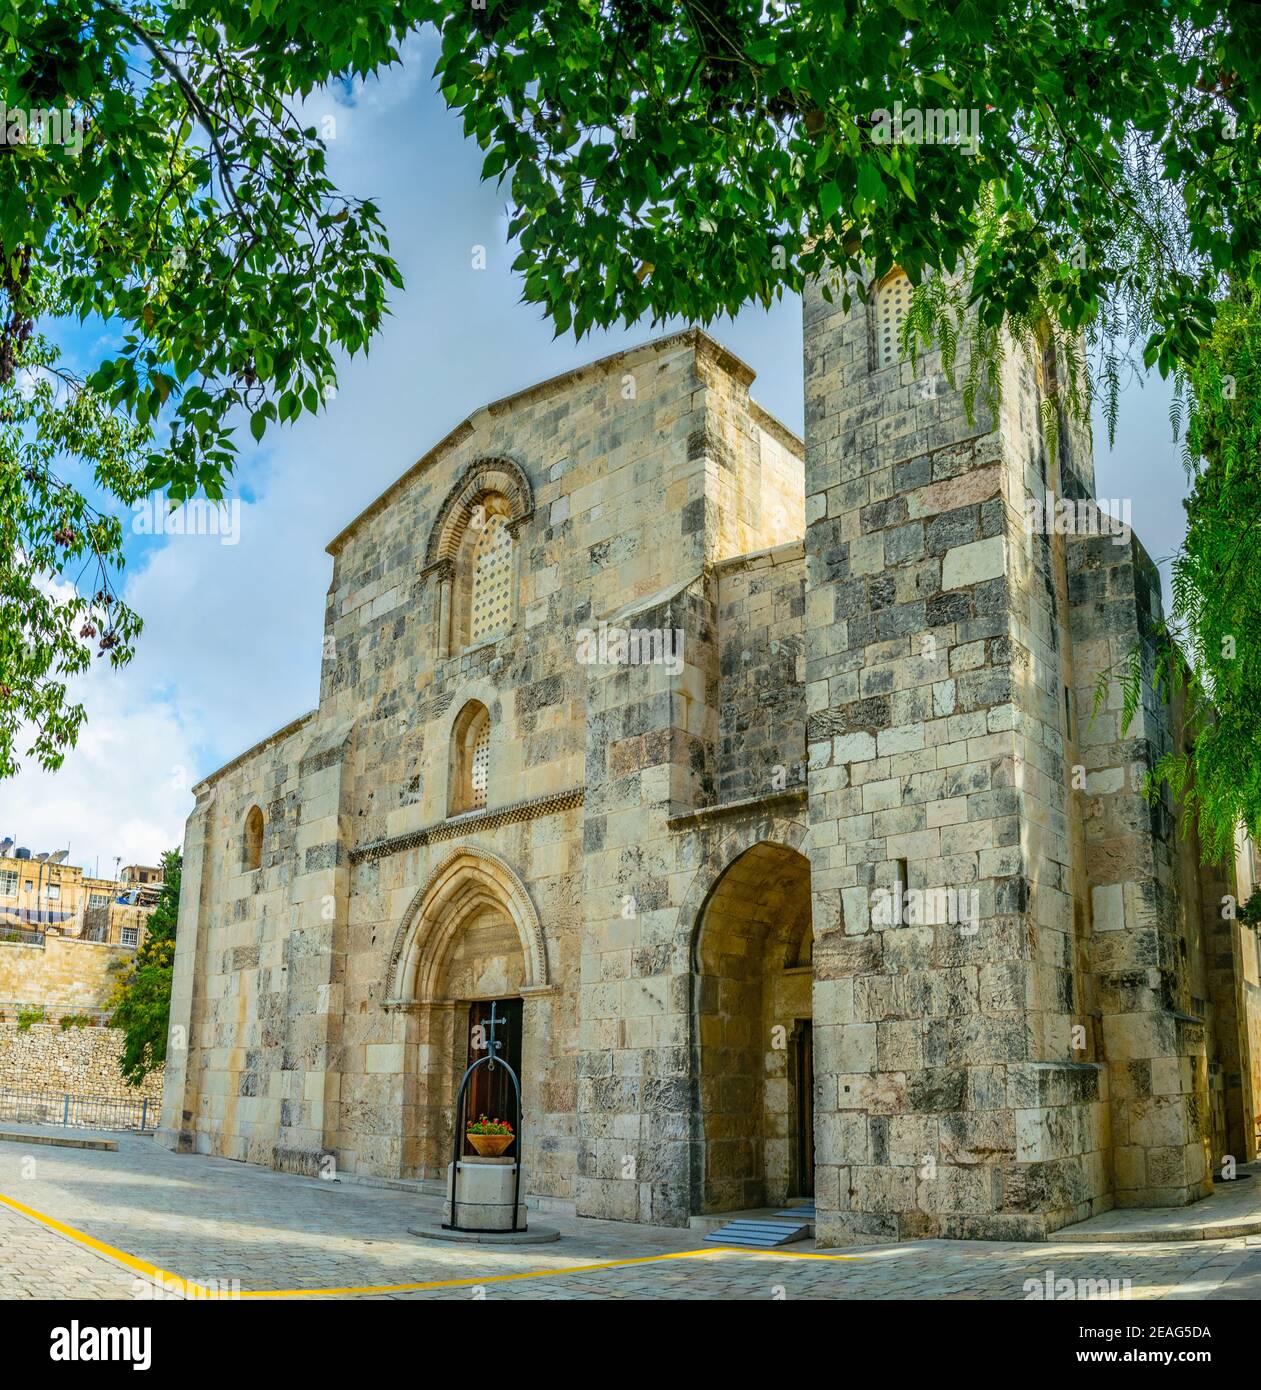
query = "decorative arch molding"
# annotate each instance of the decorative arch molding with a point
(484, 476)
(776, 830)
(875, 282)
(466, 881)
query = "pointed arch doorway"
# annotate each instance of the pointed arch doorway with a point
(753, 1037)
(470, 939)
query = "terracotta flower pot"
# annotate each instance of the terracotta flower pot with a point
(490, 1145)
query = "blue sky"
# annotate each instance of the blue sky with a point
(231, 648)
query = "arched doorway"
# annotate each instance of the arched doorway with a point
(469, 939)
(752, 1043)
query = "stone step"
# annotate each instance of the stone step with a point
(58, 1141)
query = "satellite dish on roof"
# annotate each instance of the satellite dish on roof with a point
(60, 857)
(6, 844)
(40, 858)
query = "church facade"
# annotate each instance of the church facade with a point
(757, 788)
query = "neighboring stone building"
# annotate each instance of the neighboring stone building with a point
(59, 974)
(629, 717)
(62, 932)
(36, 897)
(147, 876)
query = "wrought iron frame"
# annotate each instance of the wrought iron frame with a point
(490, 1061)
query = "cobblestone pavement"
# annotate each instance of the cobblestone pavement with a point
(212, 1220)
(37, 1263)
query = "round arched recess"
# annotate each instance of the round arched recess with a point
(752, 1033)
(500, 477)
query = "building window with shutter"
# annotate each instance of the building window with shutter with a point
(485, 570)
(470, 759)
(893, 303)
(491, 599)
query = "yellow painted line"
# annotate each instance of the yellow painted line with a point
(531, 1273)
(196, 1290)
(140, 1266)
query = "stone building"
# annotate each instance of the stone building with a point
(64, 934)
(38, 897)
(757, 784)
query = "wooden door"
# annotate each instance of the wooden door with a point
(491, 1093)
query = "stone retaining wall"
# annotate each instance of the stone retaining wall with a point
(65, 974)
(81, 1062)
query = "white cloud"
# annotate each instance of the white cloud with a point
(122, 791)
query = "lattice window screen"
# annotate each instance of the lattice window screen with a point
(893, 300)
(481, 767)
(492, 580)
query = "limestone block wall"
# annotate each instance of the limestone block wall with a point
(1218, 950)
(1238, 972)
(644, 734)
(79, 1062)
(64, 974)
(761, 699)
(949, 1104)
(244, 968)
(1164, 957)
(754, 467)
(1070, 1145)
(1248, 983)
(654, 757)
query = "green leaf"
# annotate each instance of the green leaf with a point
(829, 199)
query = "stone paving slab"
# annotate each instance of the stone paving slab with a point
(37, 1263)
(285, 1235)
(1233, 1209)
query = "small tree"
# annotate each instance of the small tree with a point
(141, 1004)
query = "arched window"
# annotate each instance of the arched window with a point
(470, 759)
(490, 599)
(485, 575)
(893, 302)
(252, 850)
(472, 554)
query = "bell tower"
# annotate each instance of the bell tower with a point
(955, 1056)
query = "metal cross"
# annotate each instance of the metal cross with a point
(493, 1043)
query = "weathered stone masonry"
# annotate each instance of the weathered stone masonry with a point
(881, 678)
(1005, 1081)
